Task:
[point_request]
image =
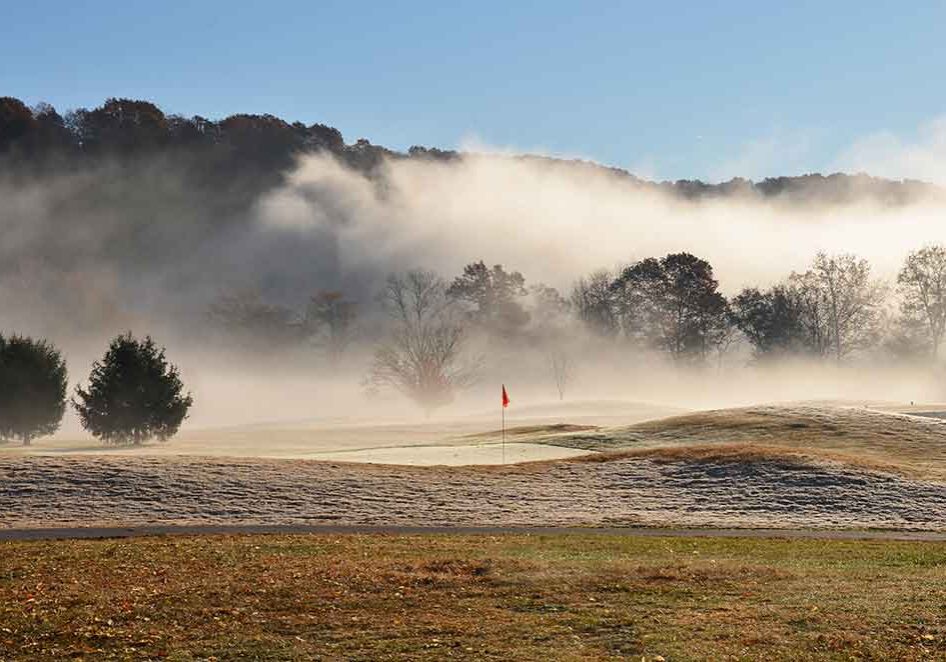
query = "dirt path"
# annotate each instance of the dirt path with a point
(332, 529)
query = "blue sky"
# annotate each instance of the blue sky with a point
(670, 90)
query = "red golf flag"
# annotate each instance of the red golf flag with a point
(505, 397)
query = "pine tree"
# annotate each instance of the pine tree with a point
(134, 394)
(32, 388)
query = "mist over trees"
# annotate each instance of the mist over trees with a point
(427, 343)
(248, 152)
(124, 216)
(493, 298)
(134, 394)
(249, 322)
(834, 309)
(32, 388)
(771, 321)
(423, 355)
(922, 287)
(841, 304)
(561, 365)
(592, 300)
(330, 322)
(673, 304)
(100, 204)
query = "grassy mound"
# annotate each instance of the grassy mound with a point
(909, 444)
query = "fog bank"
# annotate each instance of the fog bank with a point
(89, 255)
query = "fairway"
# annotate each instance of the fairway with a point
(498, 597)
(443, 440)
(787, 466)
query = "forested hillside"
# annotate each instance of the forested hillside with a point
(249, 153)
(124, 217)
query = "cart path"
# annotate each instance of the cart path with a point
(338, 529)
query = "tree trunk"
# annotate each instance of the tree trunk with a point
(837, 329)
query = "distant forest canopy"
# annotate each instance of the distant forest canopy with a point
(251, 153)
(219, 237)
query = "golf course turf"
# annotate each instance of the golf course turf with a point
(437, 596)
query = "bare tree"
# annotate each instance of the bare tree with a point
(561, 366)
(593, 303)
(723, 339)
(249, 320)
(807, 296)
(549, 310)
(841, 305)
(423, 356)
(921, 284)
(330, 322)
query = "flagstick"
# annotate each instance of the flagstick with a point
(504, 433)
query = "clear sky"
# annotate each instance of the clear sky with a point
(667, 89)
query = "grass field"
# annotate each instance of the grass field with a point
(503, 597)
(441, 440)
(571, 597)
(723, 486)
(911, 445)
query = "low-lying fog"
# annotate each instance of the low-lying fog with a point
(145, 259)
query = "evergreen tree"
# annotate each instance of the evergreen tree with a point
(32, 388)
(134, 394)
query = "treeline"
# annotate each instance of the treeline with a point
(833, 310)
(256, 150)
(671, 306)
(426, 334)
(134, 394)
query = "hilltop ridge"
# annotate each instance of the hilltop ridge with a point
(41, 138)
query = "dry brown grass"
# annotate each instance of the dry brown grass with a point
(471, 597)
(908, 444)
(750, 452)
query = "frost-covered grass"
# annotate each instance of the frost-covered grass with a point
(721, 486)
(765, 466)
(370, 439)
(372, 597)
(913, 444)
